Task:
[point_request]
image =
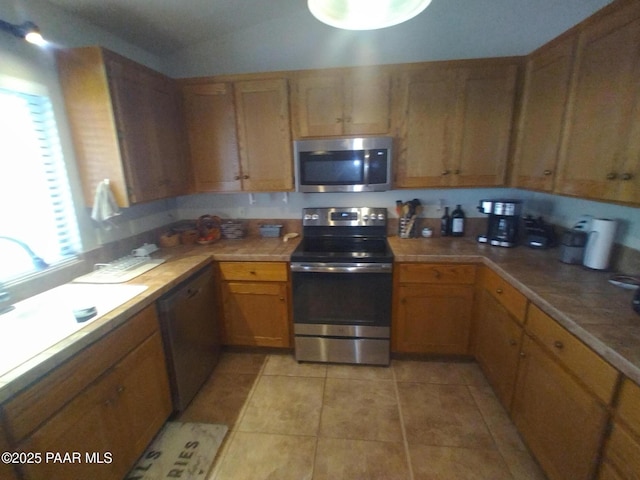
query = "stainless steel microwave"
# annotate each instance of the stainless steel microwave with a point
(354, 164)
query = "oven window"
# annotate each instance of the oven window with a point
(342, 298)
(332, 168)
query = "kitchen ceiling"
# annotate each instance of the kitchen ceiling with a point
(163, 27)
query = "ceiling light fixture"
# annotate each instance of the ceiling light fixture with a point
(28, 30)
(365, 14)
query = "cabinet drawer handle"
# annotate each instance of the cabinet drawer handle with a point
(499, 291)
(612, 176)
(237, 177)
(252, 272)
(245, 177)
(446, 172)
(512, 342)
(522, 354)
(547, 172)
(558, 344)
(120, 389)
(626, 176)
(436, 273)
(457, 172)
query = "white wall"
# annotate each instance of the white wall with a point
(447, 29)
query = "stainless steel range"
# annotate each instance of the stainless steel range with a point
(342, 277)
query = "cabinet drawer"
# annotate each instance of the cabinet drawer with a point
(629, 406)
(31, 407)
(510, 298)
(588, 366)
(437, 273)
(254, 271)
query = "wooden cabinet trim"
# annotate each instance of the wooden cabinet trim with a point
(598, 375)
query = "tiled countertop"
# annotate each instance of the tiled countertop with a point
(581, 300)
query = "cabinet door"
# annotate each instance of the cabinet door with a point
(433, 319)
(560, 421)
(318, 105)
(264, 135)
(482, 133)
(603, 105)
(213, 143)
(90, 423)
(142, 396)
(136, 126)
(427, 100)
(541, 120)
(256, 314)
(367, 102)
(169, 144)
(497, 346)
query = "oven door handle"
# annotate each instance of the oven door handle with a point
(342, 267)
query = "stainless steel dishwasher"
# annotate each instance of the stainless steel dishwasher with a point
(190, 334)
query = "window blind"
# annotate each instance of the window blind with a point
(35, 198)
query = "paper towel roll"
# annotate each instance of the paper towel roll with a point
(598, 250)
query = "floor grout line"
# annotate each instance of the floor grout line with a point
(402, 426)
(232, 433)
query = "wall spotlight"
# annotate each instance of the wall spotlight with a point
(28, 30)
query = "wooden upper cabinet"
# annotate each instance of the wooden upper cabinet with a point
(332, 103)
(264, 135)
(600, 154)
(454, 123)
(239, 135)
(210, 116)
(126, 125)
(544, 102)
(427, 99)
(484, 124)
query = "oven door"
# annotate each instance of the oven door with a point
(342, 312)
(344, 294)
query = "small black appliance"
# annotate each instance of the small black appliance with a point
(504, 219)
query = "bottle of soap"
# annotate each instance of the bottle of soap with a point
(457, 222)
(445, 223)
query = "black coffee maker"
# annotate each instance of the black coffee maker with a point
(504, 219)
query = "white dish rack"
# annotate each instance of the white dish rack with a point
(121, 270)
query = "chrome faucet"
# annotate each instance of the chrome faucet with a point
(37, 261)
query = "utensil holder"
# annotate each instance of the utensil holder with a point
(407, 227)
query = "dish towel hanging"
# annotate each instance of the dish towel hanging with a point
(104, 204)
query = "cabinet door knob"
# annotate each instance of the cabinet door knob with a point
(522, 354)
(245, 177)
(626, 176)
(237, 177)
(120, 389)
(456, 172)
(282, 299)
(558, 344)
(612, 176)
(446, 172)
(512, 342)
(338, 120)
(547, 172)
(499, 291)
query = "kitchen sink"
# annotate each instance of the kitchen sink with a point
(38, 323)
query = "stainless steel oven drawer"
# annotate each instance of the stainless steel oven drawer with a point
(342, 350)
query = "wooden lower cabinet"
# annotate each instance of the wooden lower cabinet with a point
(255, 299)
(100, 408)
(113, 420)
(621, 459)
(433, 308)
(6, 470)
(498, 337)
(561, 422)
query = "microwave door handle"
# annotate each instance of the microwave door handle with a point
(366, 161)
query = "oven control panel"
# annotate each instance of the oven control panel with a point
(344, 216)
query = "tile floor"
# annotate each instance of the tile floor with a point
(412, 421)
